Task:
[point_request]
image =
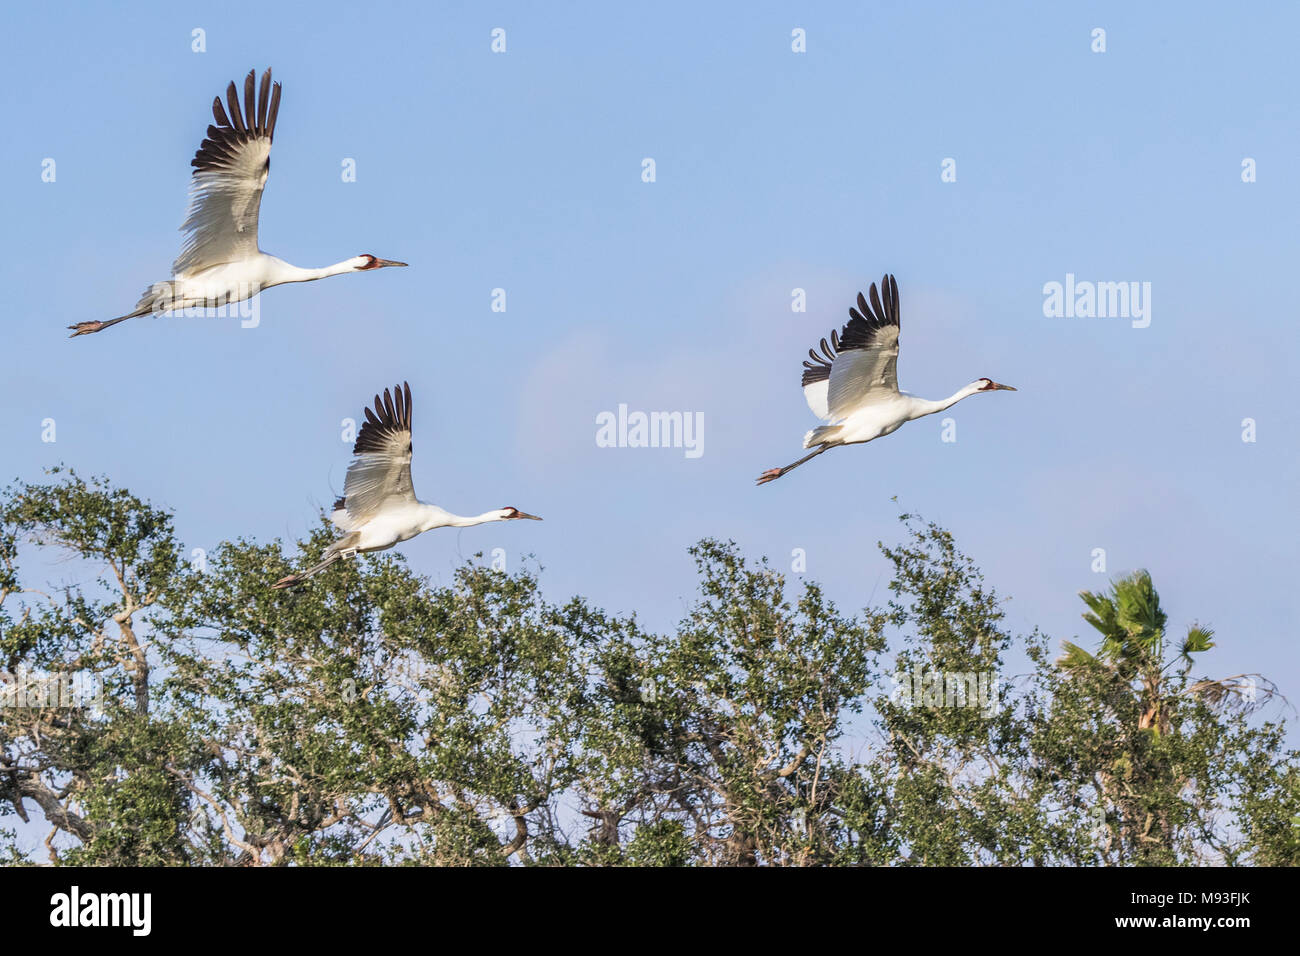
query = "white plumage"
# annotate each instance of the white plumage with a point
(852, 384)
(379, 508)
(220, 262)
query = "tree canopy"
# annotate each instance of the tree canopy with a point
(371, 718)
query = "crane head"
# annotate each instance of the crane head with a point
(988, 385)
(366, 262)
(511, 514)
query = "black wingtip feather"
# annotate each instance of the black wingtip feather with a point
(391, 414)
(250, 100)
(233, 111)
(275, 109)
(237, 124)
(263, 99)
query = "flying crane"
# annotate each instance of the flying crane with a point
(220, 262)
(853, 383)
(379, 508)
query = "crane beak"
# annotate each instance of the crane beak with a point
(1005, 388)
(524, 514)
(380, 263)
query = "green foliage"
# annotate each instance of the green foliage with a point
(1160, 754)
(372, 718)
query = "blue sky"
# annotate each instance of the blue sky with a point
(774, 171)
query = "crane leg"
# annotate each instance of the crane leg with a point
(332, 554)
(772, 474)
(290, 579)
(85, 328)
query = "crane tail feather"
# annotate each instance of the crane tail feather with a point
(821, 435)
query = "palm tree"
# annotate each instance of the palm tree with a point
(1132, 652)
(1140, 774)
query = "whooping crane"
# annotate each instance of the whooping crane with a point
(853, 384)
(220, 262)
(379, 508)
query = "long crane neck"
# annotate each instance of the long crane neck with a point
(283, 272)
(464, 521)
(436, 517)
(924, 406)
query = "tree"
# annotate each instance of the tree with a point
(372, 718)
(1151, 742)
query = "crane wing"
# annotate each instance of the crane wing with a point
(861, 362)
(230, 170)
(817, 379)
(380, 474)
